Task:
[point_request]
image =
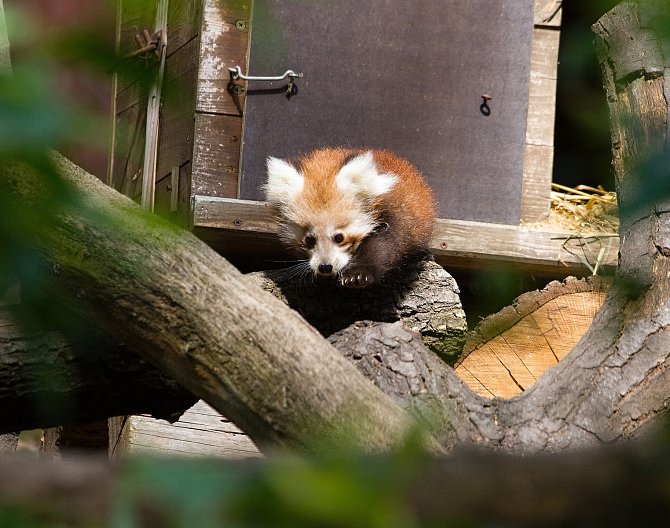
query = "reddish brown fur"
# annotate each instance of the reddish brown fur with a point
(410, 197)
(407, 211)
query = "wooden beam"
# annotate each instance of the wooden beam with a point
(456, 243)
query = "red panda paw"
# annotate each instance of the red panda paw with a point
(356, 277)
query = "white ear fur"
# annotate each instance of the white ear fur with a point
(360, 176)
(284, 181)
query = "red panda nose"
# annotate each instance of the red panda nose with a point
(326, 269)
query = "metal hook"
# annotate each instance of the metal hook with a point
(236, 73)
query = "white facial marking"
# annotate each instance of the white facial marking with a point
(284, 182)
(359, 176)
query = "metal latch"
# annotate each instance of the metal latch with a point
(236, 74)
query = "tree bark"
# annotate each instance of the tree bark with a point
(614, 486)
(189, 312)
(84, 378)
(48, 380)
(422, 295)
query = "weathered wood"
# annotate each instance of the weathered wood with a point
(542, 90)
(178, 96)
(508, 351)
(535, 202)
(548, 13)
(200, 431)
(456, 243)
(175, 144)
(225, 35)
(538, 158)
(216, 155)
(187, 310)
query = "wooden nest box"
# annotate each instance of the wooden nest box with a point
(464, 90)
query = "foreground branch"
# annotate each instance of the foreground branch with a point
(604, 487)
(48, 380)
(189, 312)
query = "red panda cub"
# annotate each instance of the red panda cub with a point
(356, 213)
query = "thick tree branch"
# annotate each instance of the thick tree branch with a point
(47, 380)
(604, 487)
(189, 312)
(422, 295)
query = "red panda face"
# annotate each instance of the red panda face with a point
(326, 206)
(330, 245)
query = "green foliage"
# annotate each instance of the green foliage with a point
(332, 489)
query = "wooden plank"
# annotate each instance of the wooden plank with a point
(177, 108)
(537, 171)
(544, 54)
(128, 148)
(456, 243)
(135, 17)
(216, 155)
(224, 44)
(548, 13)
(201, 431)
(539, 151)
(541, 112)
(184, 20)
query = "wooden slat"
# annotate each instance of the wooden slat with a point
(548, 13)
(176, 134)
(184, 20)
(538, 159)
(535, 197)
(216, 155)
(544, 53)
(128, 147)
(456, 243)
(541, 111)
(225, 35)
(135, 16)
(201, 431)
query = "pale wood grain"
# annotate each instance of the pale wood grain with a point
(511, 349)
(538, 159)
(455, 242)
(200, 431)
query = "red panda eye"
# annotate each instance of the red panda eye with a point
(338, 238)
(310, 241)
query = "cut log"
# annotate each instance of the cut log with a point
(509, 350)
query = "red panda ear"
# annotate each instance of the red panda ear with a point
(284, 181)
(360, 176)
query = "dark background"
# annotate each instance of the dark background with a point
(582, 154)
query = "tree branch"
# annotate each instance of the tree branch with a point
(189, 312)
(48, 380)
